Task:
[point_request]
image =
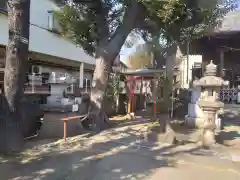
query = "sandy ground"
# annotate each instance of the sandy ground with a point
(120, 154)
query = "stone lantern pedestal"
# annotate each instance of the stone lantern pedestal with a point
(210, 110)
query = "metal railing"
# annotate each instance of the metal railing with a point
(228, 95)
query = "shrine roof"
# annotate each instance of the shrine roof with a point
(230, 24)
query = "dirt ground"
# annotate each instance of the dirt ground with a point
(121, 153)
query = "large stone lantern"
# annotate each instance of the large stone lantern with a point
(210, 86)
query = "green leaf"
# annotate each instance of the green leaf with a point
(176, 20)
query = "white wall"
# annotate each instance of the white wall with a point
(42, 40)
(184, 69)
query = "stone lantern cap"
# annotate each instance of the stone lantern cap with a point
(211, 105)
(210, 79)
(211, 69)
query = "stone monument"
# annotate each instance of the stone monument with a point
(209, 86)
(194, 118)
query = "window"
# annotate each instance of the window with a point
(52, 22)
(86, 83)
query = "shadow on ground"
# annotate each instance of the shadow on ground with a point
(100, 161)
(117, 153)
(230, 133)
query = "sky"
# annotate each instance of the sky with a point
(125, 52)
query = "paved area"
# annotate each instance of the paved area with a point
(119, 154)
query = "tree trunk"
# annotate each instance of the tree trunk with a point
(100, 79)
(173, 59)
(106, 54)
(16, 59)
(104, 63)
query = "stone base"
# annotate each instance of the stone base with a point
(130, 116)
(208, 138)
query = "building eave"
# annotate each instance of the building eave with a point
(230, 25)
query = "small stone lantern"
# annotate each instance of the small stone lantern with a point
(210, 86)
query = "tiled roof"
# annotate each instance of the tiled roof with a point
(230, 23)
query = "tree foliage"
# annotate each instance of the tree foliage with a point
(80, 20)
(87, 22)
(176, 22)
(179, 20)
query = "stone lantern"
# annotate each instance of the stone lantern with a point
(210, 86)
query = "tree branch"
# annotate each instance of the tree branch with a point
(148, 25)
(134, 15)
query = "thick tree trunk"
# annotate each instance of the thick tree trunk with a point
(103, 67)
(16, 59)
(106, 54)
(173, 59)
(100, 79)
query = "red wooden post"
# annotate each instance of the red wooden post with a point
(155, 96)
(65, 130)
(132, 90)
(129, 96)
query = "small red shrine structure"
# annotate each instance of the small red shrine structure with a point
(132, 76)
